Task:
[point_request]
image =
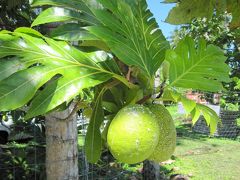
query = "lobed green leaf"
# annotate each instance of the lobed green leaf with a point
(195, 109)
(132, 34)
(34, 61)
(186, 10)
(201, 68)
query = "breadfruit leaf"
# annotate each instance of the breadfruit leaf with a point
(200, 67)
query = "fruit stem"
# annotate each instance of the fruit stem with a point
(144, 99)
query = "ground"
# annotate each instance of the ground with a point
(202, 157)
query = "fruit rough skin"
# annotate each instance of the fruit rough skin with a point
(167, 137)
(133, 134)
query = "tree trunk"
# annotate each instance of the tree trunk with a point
(61, 146)
(151, 171)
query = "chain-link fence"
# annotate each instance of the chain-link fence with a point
(226, 105)
(226, 128)
(23, 157)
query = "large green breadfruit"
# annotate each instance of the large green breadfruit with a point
(167, 138)
(133, 134)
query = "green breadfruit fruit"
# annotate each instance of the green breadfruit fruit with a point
(167, 138)
(133, 134)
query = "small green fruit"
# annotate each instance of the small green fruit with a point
(133, 134)
(167, 138)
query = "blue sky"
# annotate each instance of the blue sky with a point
(160, 12)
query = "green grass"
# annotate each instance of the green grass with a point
(206, 158)
(81, 140)
(202, 157)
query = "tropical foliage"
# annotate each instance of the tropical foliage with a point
(187, 10)
(118, 49)
(216, 31)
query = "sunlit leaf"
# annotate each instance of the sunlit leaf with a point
(127, 27)
(36, 60)
(195, 109)
(132, 34)
(210, 116)
(201, 68)
(188, 104)
(58, 14)
(189, 9)
(71, 32)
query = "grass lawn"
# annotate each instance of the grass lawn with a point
(201, 157)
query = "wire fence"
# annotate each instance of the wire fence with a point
(228, 126)
(226, 105)
(24, 156)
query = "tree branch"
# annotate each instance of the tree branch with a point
(128, 75)
(161, 89)
(74, 110)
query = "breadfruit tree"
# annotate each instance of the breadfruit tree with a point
(114, 49)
